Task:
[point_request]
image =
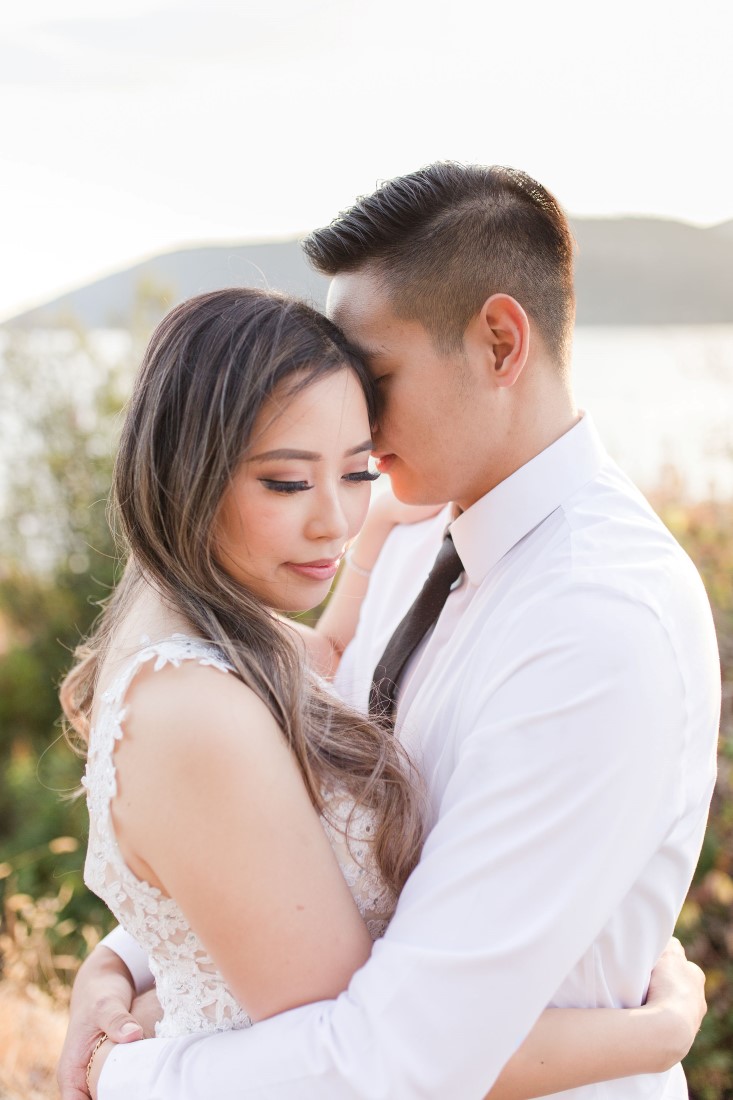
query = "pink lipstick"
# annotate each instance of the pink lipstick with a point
(322, 570)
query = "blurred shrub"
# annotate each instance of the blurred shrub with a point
(706, 923)
(60, 398)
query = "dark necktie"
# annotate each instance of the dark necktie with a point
(424, 612)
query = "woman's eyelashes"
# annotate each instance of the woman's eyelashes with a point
(277, 486)
(285, 486)
(362, 475)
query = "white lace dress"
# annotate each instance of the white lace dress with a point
(192, 992)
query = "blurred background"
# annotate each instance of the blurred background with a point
(152, 149)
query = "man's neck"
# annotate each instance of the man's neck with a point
(535, 427)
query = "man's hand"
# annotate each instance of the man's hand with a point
(100, 1004)
(677, 988)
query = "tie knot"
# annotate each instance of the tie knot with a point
(448, 563)
(423, 614)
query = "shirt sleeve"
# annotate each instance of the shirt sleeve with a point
(565, 782)
(133, 956)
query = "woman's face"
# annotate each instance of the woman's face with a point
(300, 495)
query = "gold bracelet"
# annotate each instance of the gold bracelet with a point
(103, 1038)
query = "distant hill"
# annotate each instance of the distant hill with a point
(109, 302)
(649, 271)
(629, 271)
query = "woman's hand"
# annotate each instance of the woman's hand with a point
(572, 1047)
(386, 512)
(147, 1011)
(97, 1065)
(100, 1004)
(677, 989)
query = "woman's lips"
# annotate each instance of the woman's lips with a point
(323, 570)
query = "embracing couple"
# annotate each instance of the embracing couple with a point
(436, 846)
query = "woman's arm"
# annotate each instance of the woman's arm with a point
(337, 625)
(571, 1047)
(212, 809)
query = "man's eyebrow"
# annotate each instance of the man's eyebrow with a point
(367, 445)
(307, 456)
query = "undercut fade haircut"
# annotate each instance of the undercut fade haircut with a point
(444, 239)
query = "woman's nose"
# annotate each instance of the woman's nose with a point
(328, 519)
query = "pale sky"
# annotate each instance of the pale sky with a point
(135, 126)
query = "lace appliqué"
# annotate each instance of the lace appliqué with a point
(355, 854)
(191, 990)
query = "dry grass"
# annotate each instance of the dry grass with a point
(31, 1033)
(34, 990)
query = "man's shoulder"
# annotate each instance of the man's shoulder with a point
(616, 540)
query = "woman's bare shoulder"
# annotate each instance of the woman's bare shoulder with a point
(182, 700)
(194, 738)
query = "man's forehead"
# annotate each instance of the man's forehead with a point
(335, 298)
(345, 293)
(355, 294)
(359, 306)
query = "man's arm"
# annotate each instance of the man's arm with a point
(557, 801)
(572, 1047)
(133, 957)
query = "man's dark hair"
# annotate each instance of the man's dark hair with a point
(445, 238)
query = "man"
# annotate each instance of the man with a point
(563, 707)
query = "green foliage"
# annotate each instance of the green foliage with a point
(57, 561)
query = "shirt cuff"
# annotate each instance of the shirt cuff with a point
(133, 956)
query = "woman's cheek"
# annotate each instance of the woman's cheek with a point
(356, 520)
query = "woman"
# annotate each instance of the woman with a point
(249, 829)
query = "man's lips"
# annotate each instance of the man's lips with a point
(383, 462)
(322, 570)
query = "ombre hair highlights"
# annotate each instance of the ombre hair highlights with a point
(210, 366)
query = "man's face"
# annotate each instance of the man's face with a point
(427, 411)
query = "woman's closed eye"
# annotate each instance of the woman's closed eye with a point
(285, 486)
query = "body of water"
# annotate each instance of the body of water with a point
(662, 398)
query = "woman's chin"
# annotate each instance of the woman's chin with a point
(301, 608)
(289, 595)
(292, 603)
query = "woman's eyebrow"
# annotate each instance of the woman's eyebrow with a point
(285, 452)
(306, 456)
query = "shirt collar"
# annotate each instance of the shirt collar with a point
(487, 530)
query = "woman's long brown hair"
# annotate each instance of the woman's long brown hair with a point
(210, 366)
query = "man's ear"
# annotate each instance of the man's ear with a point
(501, 330)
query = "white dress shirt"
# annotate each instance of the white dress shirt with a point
(564, 712)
